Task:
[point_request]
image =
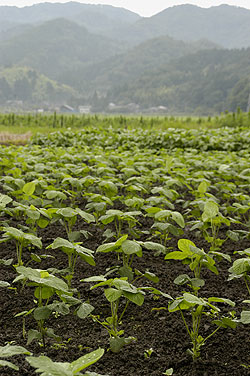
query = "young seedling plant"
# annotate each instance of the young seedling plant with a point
(73, 251)
(198, 307)
(68, 217)
(117, 289)
(46, 286)
(241, 269)
(21, 239)
(128, 249)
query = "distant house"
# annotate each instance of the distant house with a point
(67, 109)
(84, 109)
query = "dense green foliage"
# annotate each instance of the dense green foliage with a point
(166, 185)
(25, 84)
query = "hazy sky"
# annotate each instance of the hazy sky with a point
(143, 7)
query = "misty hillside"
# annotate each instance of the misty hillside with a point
(186, 58)
(130, 65)
(94, 17)
(226, 25)
(205, 82)
(54, 46)
(29, 86)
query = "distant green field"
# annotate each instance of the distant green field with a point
(47, 123)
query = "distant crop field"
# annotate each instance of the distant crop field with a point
(125, 250)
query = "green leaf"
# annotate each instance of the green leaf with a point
(190, 298)
(5, 363)
(86, 216)
(33, 334)
(60, 243)
(84, 310)
(98, 278)
(4, 200)
(42, 277)
(4, 284)
(112, 294)
(202, 188)
(178, 218)
(211, 210)
(86, 361)
(45, 365)
(184, 245)
(130, 247)
(154, 246)
(41, 313)
(221, 300)
(176, 255)
(137, 298)
(241, 266)
(10, 350)
(245, 317)
(29, 188)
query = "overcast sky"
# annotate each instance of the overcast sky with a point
(143, 7)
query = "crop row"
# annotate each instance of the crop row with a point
(152, 199)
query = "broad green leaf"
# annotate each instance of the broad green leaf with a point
(86, 216)
(4, 200)
(86, 361)
(190, 298)
(42, 277)
(4, 284)
(178, 218)
(84, 310)
(45, 365)
(10, 350)
(33, 334)
(137, 298)
(202, 188)
(184, 245)
(108, 247)
(211, 210)
(130, 247)
(154, 246)
(5, 363)
(221, 300)
(60, 242)
(66, 212)
(29, 188)
(241, 266)
(112, 294)
(245, 317)
(98, 278)
(41, 313)
(176, 255)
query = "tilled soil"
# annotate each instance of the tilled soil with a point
(226, 353)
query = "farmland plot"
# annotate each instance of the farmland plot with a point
(126, 253)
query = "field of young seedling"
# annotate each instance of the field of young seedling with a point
(126, 252)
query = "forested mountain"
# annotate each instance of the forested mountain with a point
(54, 46)
(204, 82)
(186, 58)
(95, 18)
(24, 84)
(226, 25)
(130, 65)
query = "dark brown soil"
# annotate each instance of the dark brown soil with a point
(224, 354)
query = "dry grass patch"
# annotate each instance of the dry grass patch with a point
(7, 138)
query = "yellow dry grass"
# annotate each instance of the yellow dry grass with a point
(7, 138)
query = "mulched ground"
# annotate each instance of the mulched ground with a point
(224, 354)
